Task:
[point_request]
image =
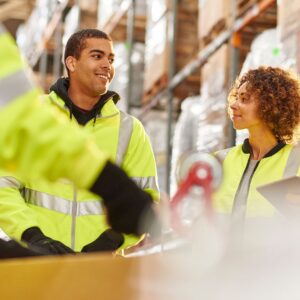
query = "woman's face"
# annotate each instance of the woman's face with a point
(243, 111)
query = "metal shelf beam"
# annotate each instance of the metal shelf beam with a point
(115, 19)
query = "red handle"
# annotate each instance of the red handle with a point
(200, 174)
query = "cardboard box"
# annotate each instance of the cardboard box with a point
(157, 48)
(288, 17)
(213, 123)
(213, 16)
(289, 28)
(156, 52)
(96, 276)
(214, 74)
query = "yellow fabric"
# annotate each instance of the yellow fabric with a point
(50, 155)
(139, 160)
(10, 58)
(269, 169)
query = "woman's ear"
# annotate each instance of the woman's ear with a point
(71, 63)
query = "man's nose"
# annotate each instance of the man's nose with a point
(105, 63)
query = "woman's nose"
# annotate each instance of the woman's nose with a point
(233, 105)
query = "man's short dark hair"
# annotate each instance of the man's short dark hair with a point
(77, 41)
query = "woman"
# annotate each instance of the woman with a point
(266, 102)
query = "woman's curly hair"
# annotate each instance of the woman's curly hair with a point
(278, 95)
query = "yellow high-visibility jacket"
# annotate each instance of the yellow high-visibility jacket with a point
(281, 162)
(76, 217)
(24, 151)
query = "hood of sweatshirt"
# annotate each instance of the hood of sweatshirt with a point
(61, 86)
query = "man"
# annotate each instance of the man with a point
(23, 149)
(38, 212)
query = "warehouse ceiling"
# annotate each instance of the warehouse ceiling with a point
(15, 12)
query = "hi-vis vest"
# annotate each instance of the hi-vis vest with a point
(76, 217)
(280, 163)
(24, 151)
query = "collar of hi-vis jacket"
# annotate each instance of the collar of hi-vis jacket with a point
(61, 86)
(108, 110)
(246, 148)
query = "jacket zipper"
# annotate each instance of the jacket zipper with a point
(248, 187)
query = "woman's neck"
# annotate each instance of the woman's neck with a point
(261, 143)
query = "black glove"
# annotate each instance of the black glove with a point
(109, 240)
(11, 249)
(127, 205)
(37, 241)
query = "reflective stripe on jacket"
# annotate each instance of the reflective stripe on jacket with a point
(281, 163)
(76, 217)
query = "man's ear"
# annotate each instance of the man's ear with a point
(71, 63)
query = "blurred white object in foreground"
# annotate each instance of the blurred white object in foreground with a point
(212, 262)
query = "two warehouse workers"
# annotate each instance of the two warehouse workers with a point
(40, 147)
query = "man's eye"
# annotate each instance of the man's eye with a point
(111, 60)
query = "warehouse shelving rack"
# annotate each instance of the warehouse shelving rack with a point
(232, 35)
(123, 25)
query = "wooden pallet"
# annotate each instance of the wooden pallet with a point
(186, 49)
(266, 20)
(157, 86)
(220, 26)
(244, 5)
(189, 87)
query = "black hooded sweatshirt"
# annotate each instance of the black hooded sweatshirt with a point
(60, 87)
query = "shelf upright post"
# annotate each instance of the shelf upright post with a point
(130, 44)
(172, 17)
(43, 63)
(233, 69)
(58, 51)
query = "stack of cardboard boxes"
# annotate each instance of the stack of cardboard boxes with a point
(289, 28)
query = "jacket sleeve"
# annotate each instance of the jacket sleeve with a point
(139, 161)
(34, 141)
(15, 215)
